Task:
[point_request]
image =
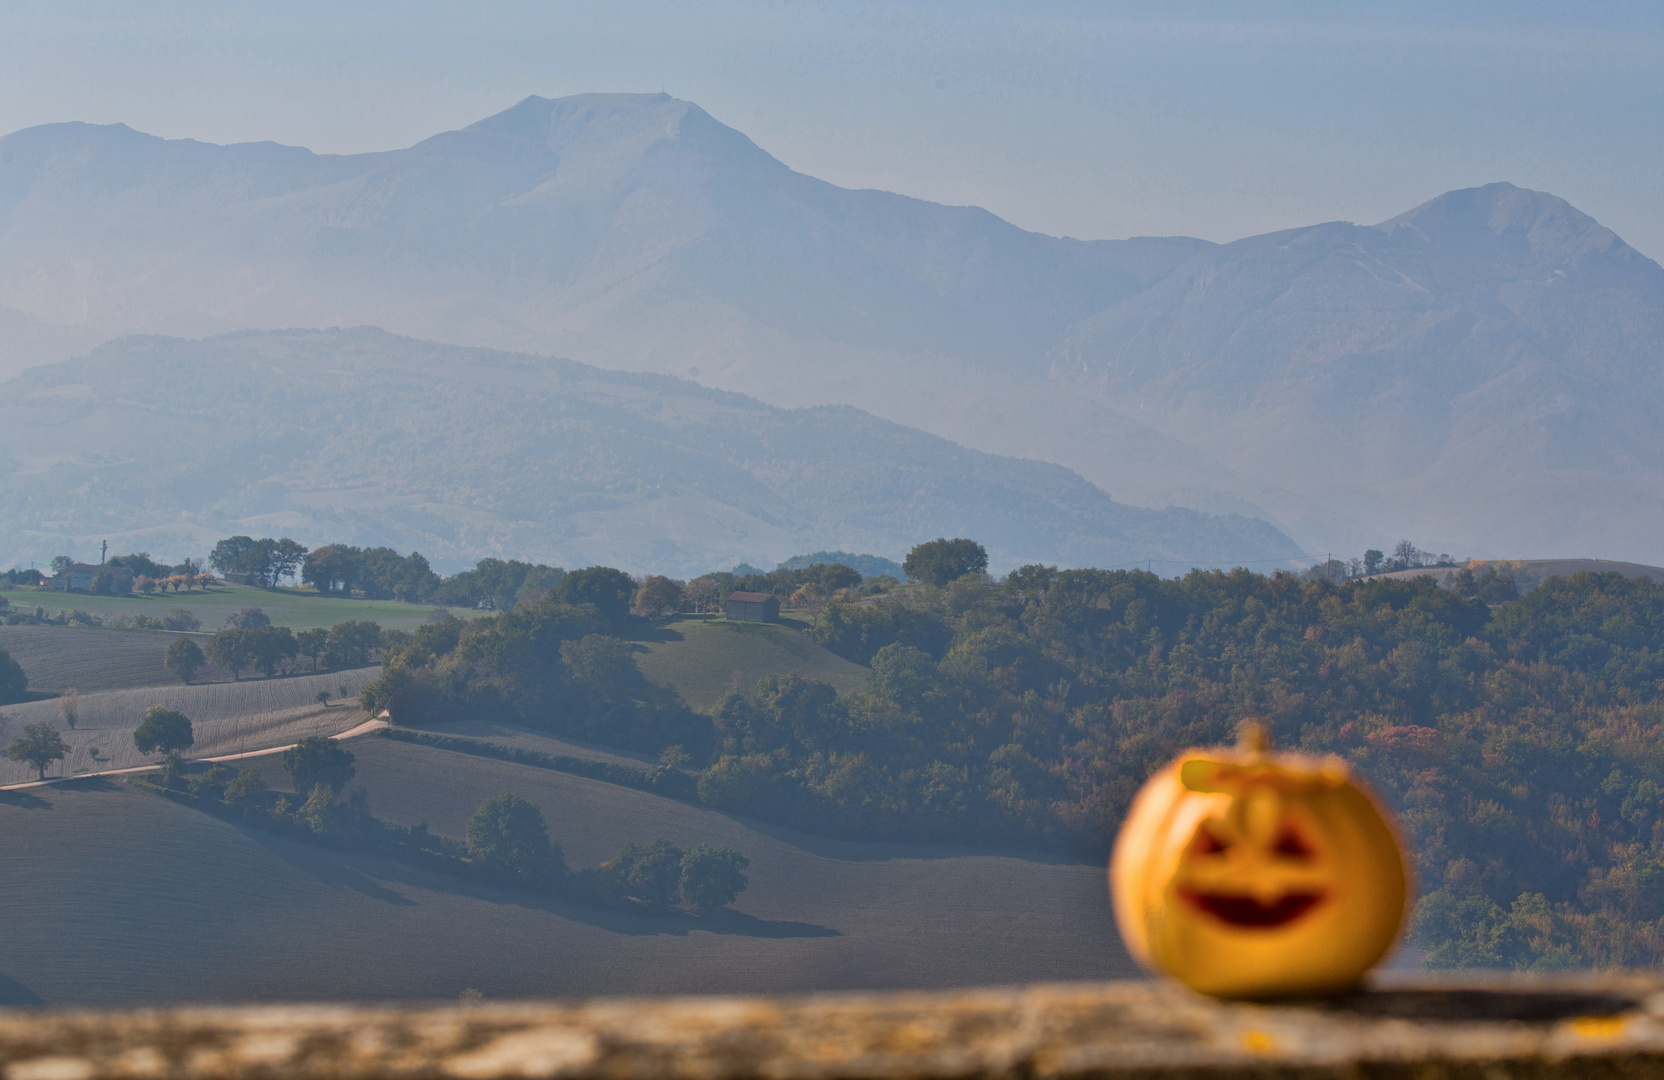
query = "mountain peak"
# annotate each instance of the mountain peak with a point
(1547, 226)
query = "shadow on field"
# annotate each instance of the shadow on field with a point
(23, 799)
(326, 867)
(332, 868)
(653, 635)
(90, 783)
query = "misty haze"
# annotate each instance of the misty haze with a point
(613, 544)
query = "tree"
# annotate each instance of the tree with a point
(705, 593)
(230, 648)
(1033, 578)
(67, 707)
(246, 793)
(609, 590)
(269, 646)
(231, 554)
(14, 684)
(39, 745)
(183, 658)
(712, 876)
(349, 644)
(1372, 560)
(164, 731)
(287, 559)
(651, 873)
(507, 836)
(333, 568)
(311, 643)
(249, 618)
(318, 762)
(141, 564)
(808, 597)
(658, 596)
(61, 564)
(940, 561)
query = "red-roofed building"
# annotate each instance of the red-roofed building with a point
(752, 607)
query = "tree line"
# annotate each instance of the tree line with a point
(506, 841)
(1522, 739)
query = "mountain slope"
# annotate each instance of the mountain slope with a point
(1476, 373)
(1485, 369)
(584, 223)
(363, 436)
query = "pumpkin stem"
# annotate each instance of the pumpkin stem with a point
(1252, 738)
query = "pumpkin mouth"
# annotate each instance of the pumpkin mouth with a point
(1247, 911)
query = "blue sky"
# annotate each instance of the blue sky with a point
(1093, 120)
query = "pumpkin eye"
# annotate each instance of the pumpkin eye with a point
(1290, 846)
(1208, 844)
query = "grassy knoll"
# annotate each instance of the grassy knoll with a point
(227, 718)
(114, 895)
(297, 608)
(703, 658)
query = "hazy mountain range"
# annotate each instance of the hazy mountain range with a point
(358, 435)
(1478, 374)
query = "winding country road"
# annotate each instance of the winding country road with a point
(365, 728)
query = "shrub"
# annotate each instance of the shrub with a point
(180, 620)
(249, 618)
(247, 792)
(211, 784)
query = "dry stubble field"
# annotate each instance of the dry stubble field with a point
(115, 895)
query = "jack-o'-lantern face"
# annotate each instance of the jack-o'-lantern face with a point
(1245, 874)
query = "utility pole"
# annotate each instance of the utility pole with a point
(103, 552)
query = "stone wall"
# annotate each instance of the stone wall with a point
(1580, 1027)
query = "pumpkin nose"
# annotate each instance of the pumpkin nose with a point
(1262, 815)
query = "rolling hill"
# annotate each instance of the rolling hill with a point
(368, 438)
(1477, 373)
(703, 659)
(117, 896)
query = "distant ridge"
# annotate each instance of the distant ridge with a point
(364, 437)
(868, 565)
(1480, 373)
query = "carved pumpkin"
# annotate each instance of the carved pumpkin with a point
(1249, 874)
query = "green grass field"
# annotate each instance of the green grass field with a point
(300, 609)
(704, 658)
(117, 896)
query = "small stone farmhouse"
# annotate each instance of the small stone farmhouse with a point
(753, 607)
(82, 577)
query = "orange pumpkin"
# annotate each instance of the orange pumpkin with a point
(1245, 873)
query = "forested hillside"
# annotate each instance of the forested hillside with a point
(1520, 743)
